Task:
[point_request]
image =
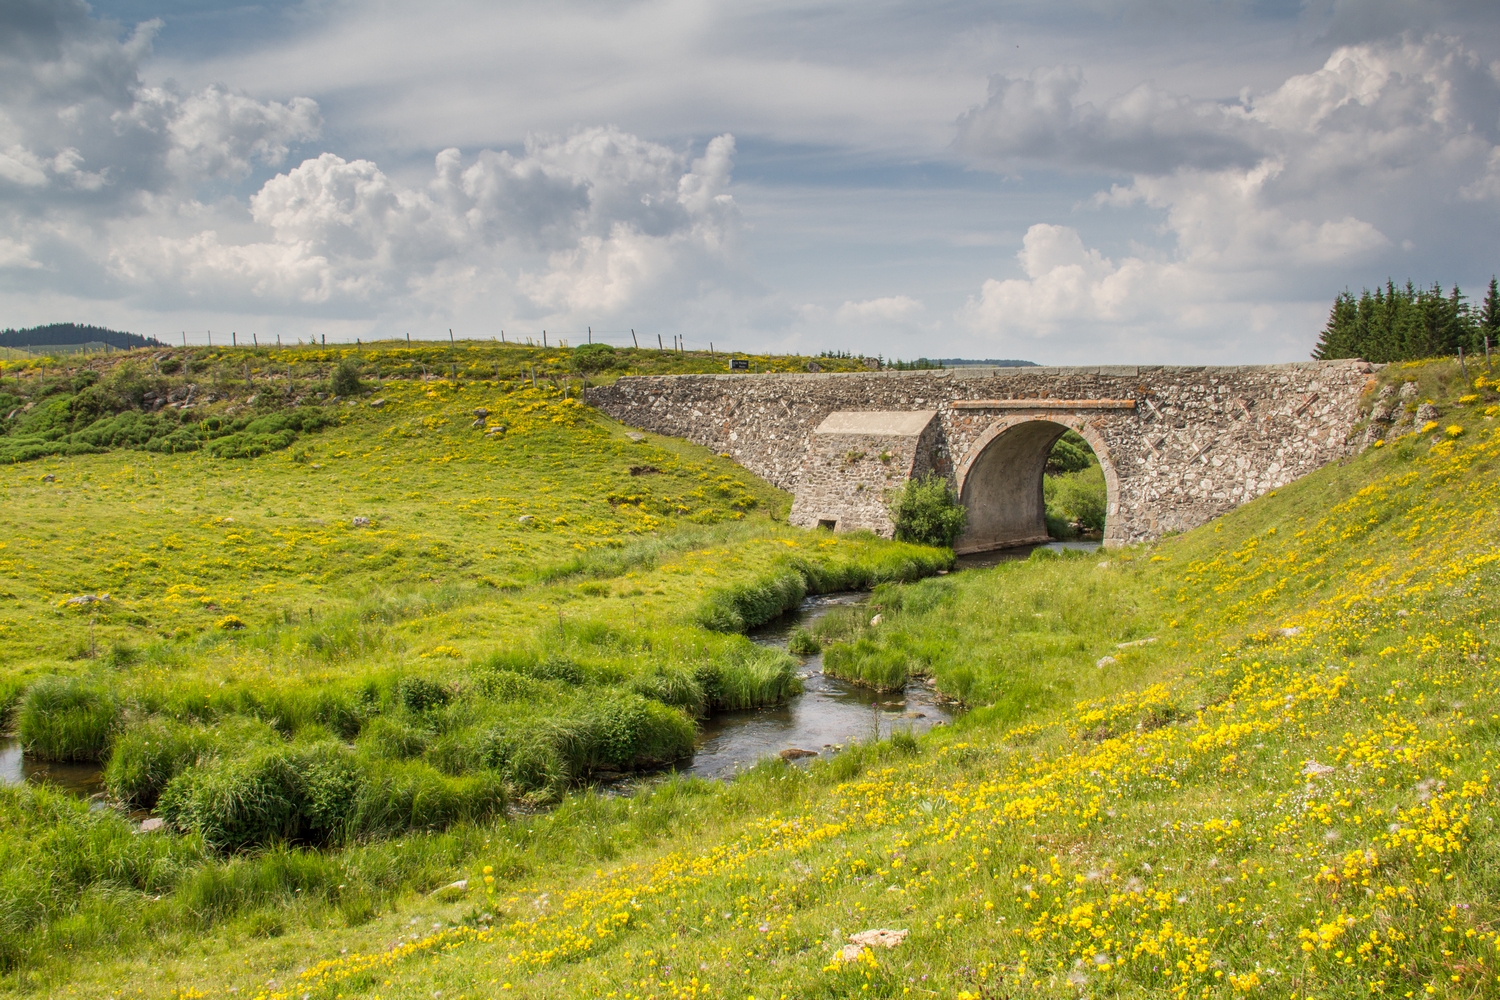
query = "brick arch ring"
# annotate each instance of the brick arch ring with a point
(964, 470)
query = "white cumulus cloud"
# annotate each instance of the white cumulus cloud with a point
(1263, 199)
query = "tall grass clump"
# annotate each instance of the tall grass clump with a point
(67, 718)
(868, 663)
(145, 757)
(744, 606)
(754, 679)
(298, 793)
(396, 796)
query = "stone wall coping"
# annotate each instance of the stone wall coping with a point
(961, 374)
(1043, 404)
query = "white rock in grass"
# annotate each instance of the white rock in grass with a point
(1313, 769)
(879, 937)
(1105, 661)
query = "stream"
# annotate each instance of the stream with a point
(80, 779)
(828, 714)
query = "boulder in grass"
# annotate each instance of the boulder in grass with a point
(361, 522)
(879, 937)
(796, 753)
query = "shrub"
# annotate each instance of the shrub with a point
(529, 760)
(1071, 453)
(1075, 499)
(590, 358)
(391, 738)
(927, 512)
(284, 792)
(734, 609)
(147, 756)
(67, 719)
(346, 379)
(620, 733)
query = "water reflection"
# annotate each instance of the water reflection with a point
(826, 716)
(81, 779)
(984, 560)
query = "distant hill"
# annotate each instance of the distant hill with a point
(65, 334)
(986, 362)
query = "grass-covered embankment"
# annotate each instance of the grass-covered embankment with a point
(1287, 793)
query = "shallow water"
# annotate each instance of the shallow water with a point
(826, 716)
(984, 560)
(81, 779)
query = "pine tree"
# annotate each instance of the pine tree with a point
(1489, 314)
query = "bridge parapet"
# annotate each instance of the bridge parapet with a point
(1179, 445)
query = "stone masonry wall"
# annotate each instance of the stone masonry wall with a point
(1198, 442)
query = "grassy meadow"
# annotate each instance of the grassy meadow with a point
(1251, 760)
(439, 603)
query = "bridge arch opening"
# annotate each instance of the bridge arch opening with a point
(1004, 485)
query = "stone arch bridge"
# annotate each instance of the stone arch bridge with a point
(1178, 445)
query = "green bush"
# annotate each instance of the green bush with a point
(623, 732)
(276, 793)
(419, 694)
(737, 608)
(391, 738)
(346, 379)
(590, 358)
(754, 678)
(67, 719)
(1071, 453)
(926, 511)
(1075, 500)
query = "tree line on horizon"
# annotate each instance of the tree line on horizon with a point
(1408, 323)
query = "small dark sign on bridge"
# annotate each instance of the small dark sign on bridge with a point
(739, 364)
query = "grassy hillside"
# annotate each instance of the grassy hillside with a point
(1253, 760)
(405, 625)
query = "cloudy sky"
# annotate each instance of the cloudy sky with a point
(1100, 181)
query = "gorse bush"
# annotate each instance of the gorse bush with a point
(927, 511)
(67, 718)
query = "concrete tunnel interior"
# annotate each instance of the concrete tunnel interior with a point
(1003, 487)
